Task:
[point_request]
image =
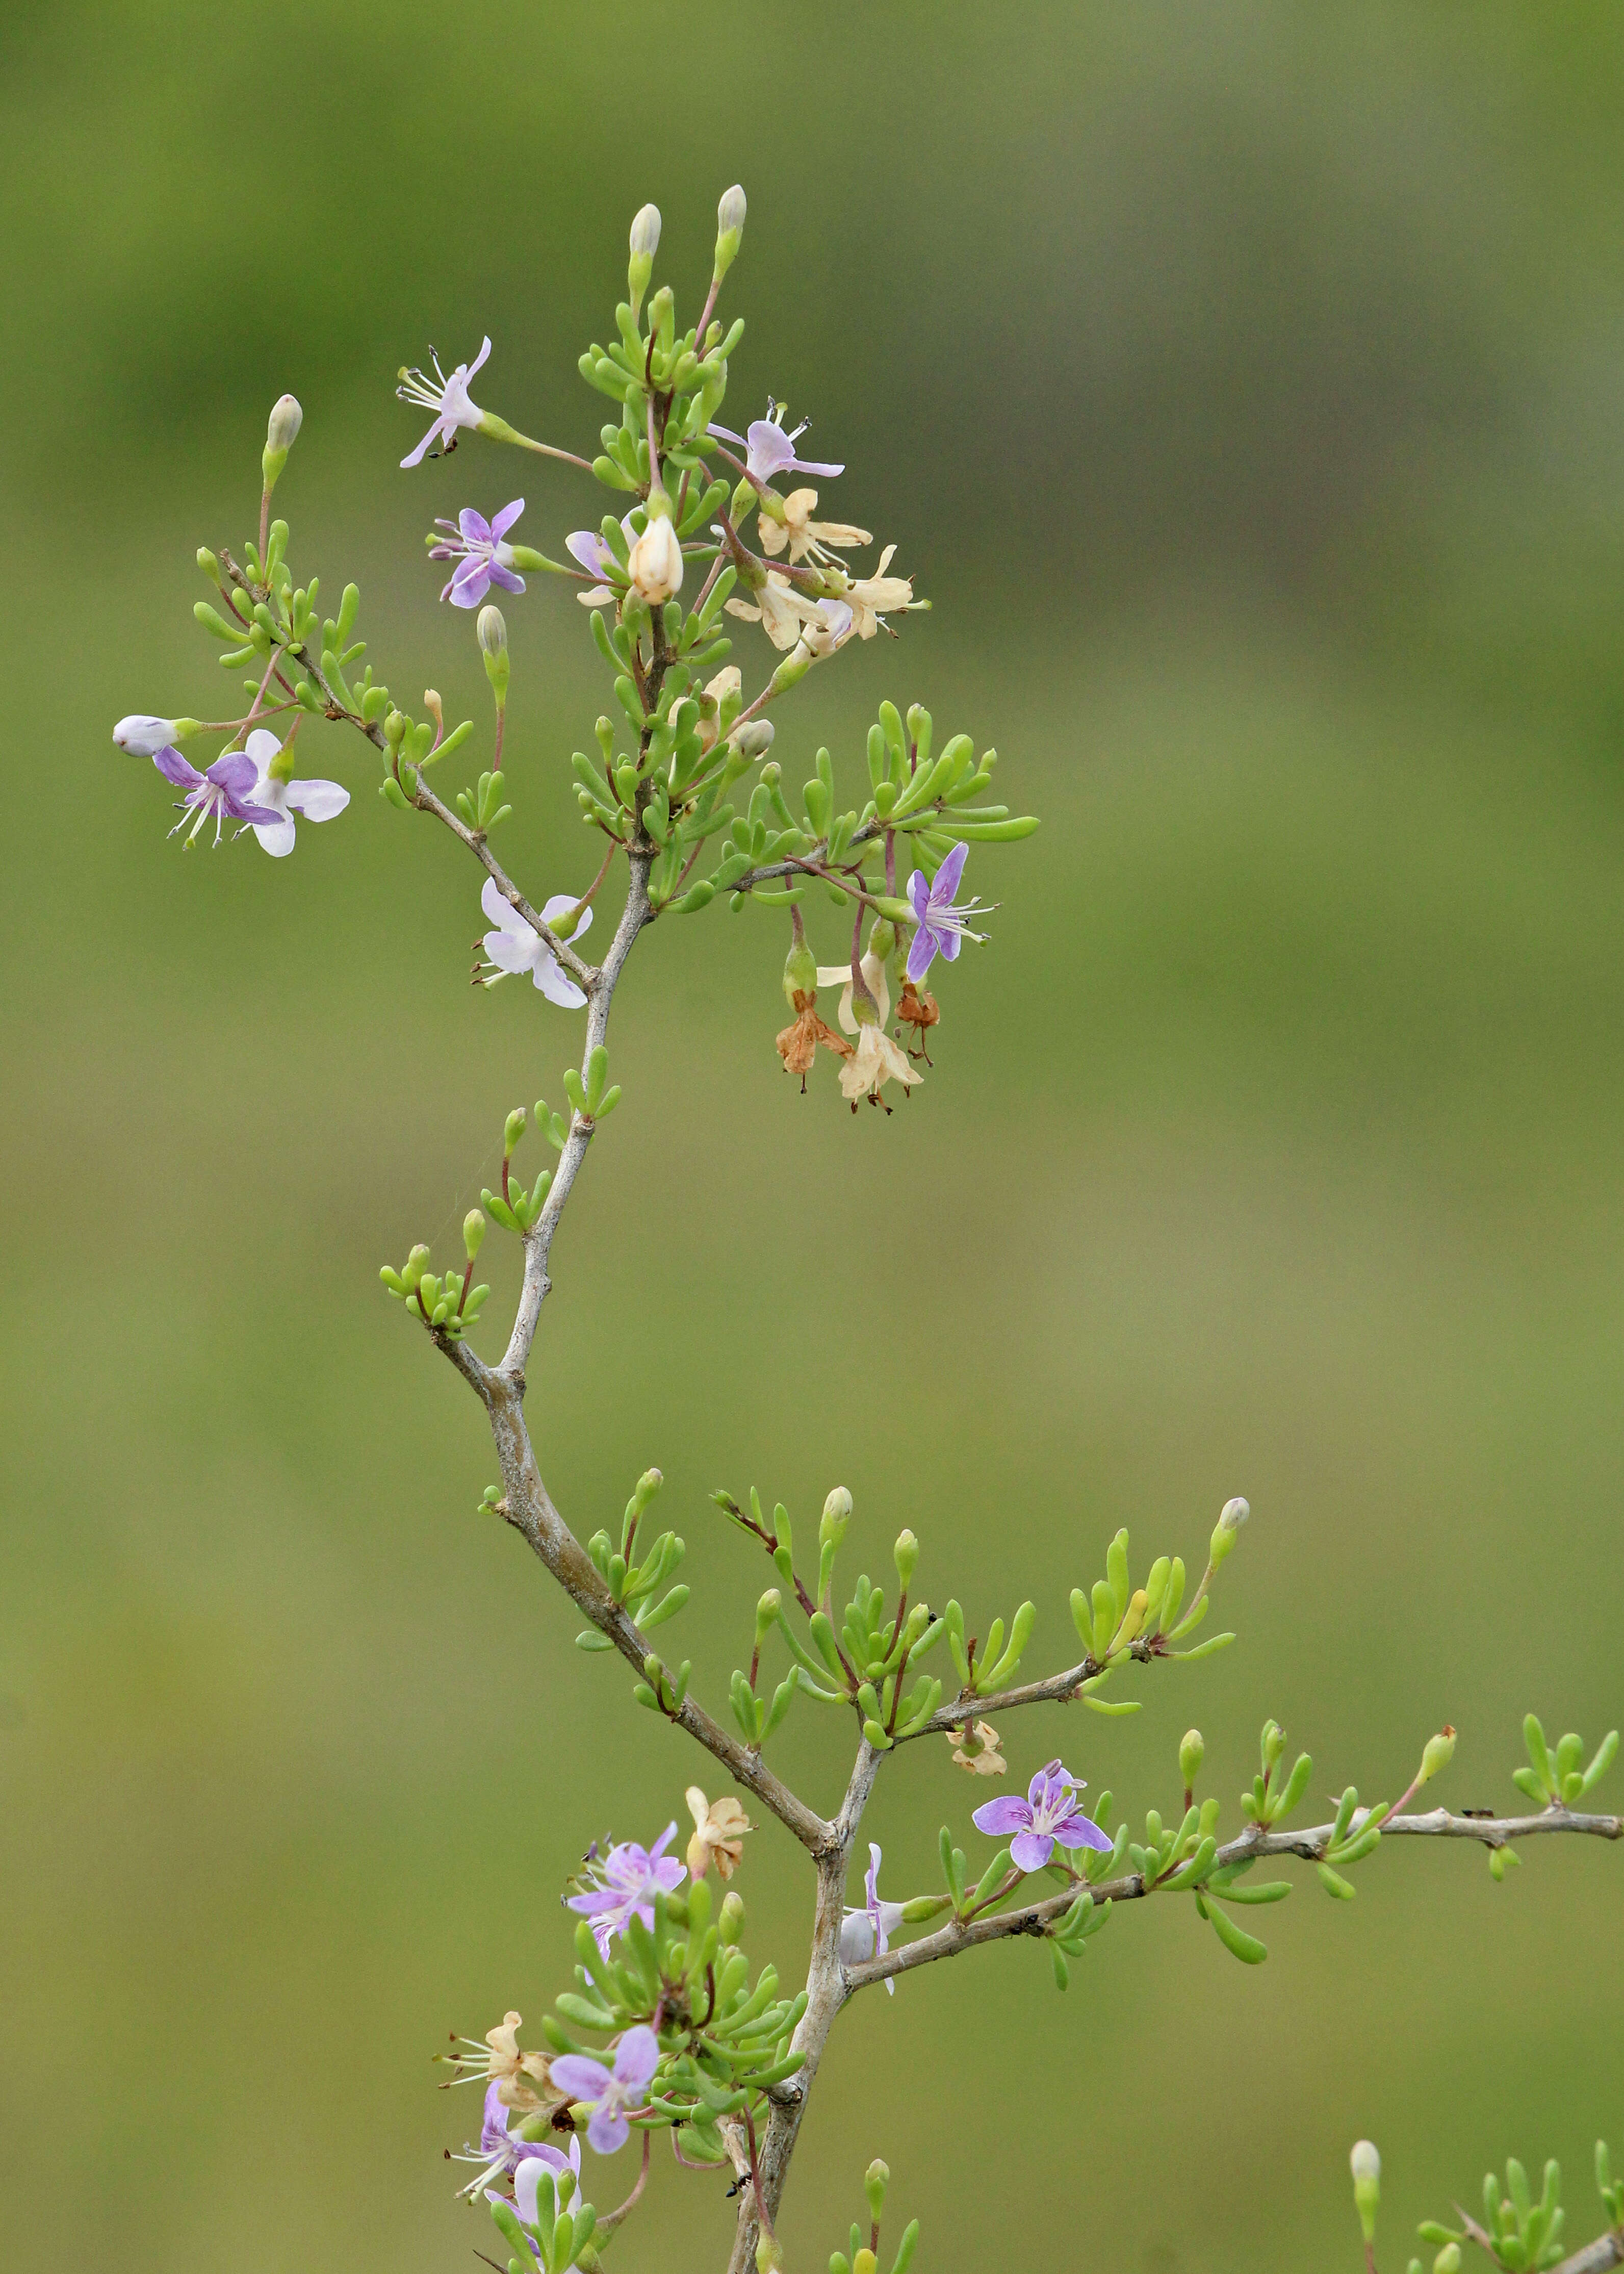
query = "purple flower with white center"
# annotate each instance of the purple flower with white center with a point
(447, 398)
(317, 800)
(500, 2154)
(769, 451)
(629, 1879)
(610, 2093)
(514, 946)
(1049, 1815)
(486, 559)
(865, 1932)
(942, 926)
(226, 791)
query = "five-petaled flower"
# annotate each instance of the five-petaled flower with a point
(1049, 1815)
(487, 559)
(226, 791)
(447, 398)
(611, 2092)
(629, 1879)
(802, 534)
(719, 1827)
(768, 450)
(519, 2080)
(943, 928)
(513, 945)
(976, 1748)
(874, 598)
(317, 800)
(867, 1929)
(782, 613)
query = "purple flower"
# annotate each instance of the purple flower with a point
(224, 790)
(629, 1879)
(865, 1932)
(499, 2154)
(514, 946)
(487, 561)
(447, 398)
(942, 926)
(635, 2060)
(768, 450)
(317, 800)
(1048, 1813)
(591, 550)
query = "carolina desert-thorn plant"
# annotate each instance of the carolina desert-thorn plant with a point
(668, 2027)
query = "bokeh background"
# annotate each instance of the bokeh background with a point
(1246, 387)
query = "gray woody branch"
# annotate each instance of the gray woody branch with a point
(1034, 1918)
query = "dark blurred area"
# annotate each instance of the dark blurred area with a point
(1245, 389)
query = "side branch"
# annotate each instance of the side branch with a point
(1055, 1689)
(1311, 1846)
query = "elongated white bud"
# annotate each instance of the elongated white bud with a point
(655, 563)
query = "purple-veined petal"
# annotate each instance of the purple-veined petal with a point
(235, 773)
(608, 2131)
(921, 953)
(509, 579)
(580, 2076)
(475, 528)
(1029, 1851)
(502, 522)
(470, 584)
(950, 943)
(944, 889)
(919, 893)
(316, 800)
(1001, 1817)
(636, 2057)
(1083, 1832)
(175, 769)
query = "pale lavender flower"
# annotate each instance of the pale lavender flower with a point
(769, 451)
(629, 1879)
(143, 736)
(486, 559)
(447, 398)
(499, 2153)
(942, 926)
(611, 2094)
(1048, 1815)
(535, 2160)
(225, 791)
(514, 947)
(866, 1931)
(317, 800)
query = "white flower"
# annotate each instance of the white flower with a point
(873, 598)
(317, 800)
(840, 975)
(780, 610)
(876, 1061)
(801, 533)
(514, 947)
(829, 629)
(655, 562)
(448, 400)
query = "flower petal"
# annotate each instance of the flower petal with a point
(608, 2131)
(263, 747)
(277, 836)
(470, 584)
(318, 801)
(509, 579)
(175, 769)
(484, 351)
(636, 2057)
(501, 911)
(1029, 1851)
(235, 773)
(501, 522)
(945, 889)
(415, 458)
(556, 985)
(1003, 1817)
(475, 528)
(580, 2076)
(1083, 1832)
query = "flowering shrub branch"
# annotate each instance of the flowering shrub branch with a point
(669, 2027)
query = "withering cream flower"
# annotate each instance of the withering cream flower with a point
(873, 598)
(797, 1044)
(976, 1748)
(523, 2080)
(728, 682)
(719, 1827)
(876, 1061)
(801, 533)
(779, 608)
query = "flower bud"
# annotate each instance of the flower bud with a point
(1437, 1753)
(731, 1920)
(795, 665)
(415, 1265)
(865, 2263)
(431, 705)
(283, 424)
(876, 2179)
(1191, 1754)
(512, 1132)
(906, 1555)
(143, 736)
(1366, 2165)
(1448, 2259)
(800, 971)
(754, 739)
(1234, 1514)
(882, 939)
(473, 1232)
(492, 633)
(655, 562)
(645, 240)
(766, 1614)
(729, 229)
(769, 2256)
(836, 1516)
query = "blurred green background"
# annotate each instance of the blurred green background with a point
(1245, 387)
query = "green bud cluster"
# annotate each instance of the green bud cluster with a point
(449, 1305)
(1523, 2231)
(1557, 1780)
(635, 1585)
(1116, 1622)
(593, 1100)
